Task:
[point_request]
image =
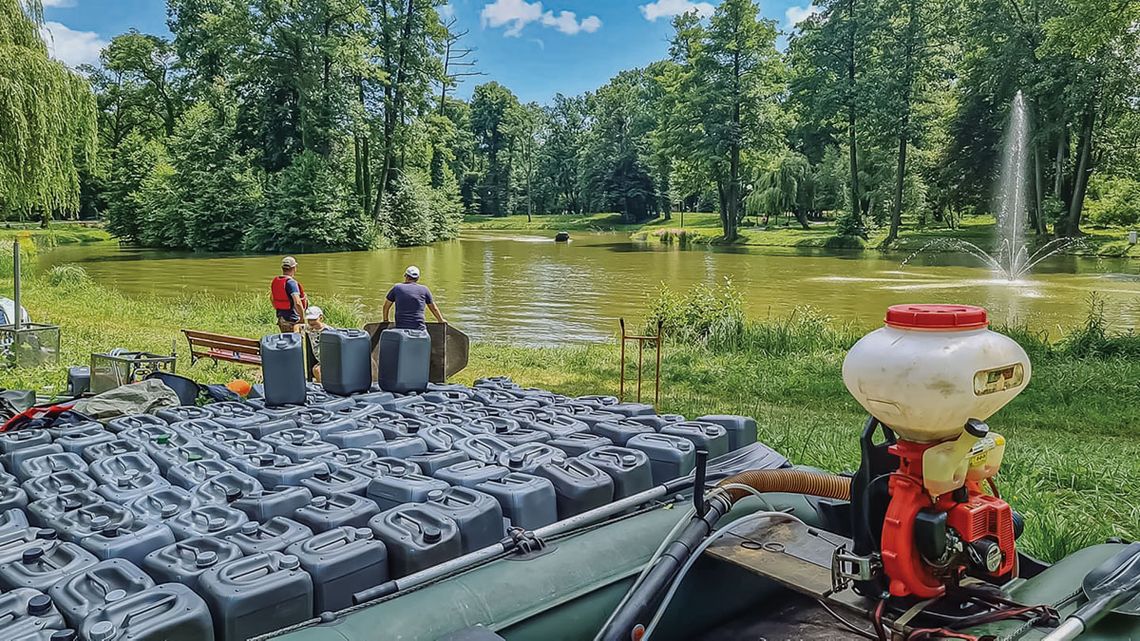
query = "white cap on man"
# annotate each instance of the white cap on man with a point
(313, 313)
(412, 272)
(288, 262)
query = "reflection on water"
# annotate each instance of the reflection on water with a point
(525, 288)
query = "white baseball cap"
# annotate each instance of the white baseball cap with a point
(313, 313)
(412, 272)
(288, 262)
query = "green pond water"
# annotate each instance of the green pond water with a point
(522, 287)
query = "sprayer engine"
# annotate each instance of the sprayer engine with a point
(921, 518)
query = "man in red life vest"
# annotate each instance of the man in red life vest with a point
(288, 296)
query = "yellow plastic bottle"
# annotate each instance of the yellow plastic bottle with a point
(946, 465)
(985, 457)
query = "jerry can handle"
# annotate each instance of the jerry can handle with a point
(163, 603)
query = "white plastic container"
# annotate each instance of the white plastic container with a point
(932, 368)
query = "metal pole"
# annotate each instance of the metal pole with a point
(16, 282)
(657, 385)
(621, 385)
(640, 361)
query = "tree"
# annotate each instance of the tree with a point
(527, 129)
(146, 64)
(307, 209)
(47, 119)
(134, 160)
(786, 187)
(219, 195)
(493, 111)
(826, 85)
(559, 162)
(727, 84)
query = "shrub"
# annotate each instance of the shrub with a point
(845, 242)
(405, 215)
(68, 276)
(709, 315)
(307, 209)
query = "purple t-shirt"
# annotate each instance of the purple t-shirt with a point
(410, 300)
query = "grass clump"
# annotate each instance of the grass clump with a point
(68, 276)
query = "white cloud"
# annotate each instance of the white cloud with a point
(567, 22)
(59, 4)
(670, 8)
(446, 12)
(71, 47)
(796, 15)
(517, 14)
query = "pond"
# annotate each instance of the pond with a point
(522, 287)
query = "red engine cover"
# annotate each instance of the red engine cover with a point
(981, 516)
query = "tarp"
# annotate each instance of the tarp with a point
(146, 397)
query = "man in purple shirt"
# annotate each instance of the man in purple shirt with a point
(410, 299)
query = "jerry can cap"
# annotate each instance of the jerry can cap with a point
(39, 604)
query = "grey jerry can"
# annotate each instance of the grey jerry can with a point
(163, 504)
(629, 469)
(579, 444)
(129, 542)
(168, 612)
(471, 473)
(41, 567)
(274, 535)
(478, 515)
(417, 537)
(710, 437)
(25, 613)
(528, 501)
(262, 505)
(579, 486)
(257, 594)
(670, 457)
(324, 513)
(185, 561)
(283, 369)
(741, 429)
(188, 475)
(208, 520)
(342, 561)
(81, 593)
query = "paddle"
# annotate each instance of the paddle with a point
(1112, 587)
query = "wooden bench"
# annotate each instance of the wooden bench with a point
(220, 347)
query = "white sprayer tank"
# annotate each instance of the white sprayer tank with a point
(932, 368)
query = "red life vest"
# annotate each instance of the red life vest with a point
(282, 302)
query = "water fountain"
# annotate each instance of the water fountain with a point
(1012, 258)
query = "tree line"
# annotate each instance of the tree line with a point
(331, 124)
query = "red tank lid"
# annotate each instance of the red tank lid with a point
(942, 317)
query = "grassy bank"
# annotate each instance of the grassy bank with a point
(59, 234)
(1072, 467)
(704, 228)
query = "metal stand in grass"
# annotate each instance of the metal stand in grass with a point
(641, 341)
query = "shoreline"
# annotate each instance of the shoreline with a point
(704, 229)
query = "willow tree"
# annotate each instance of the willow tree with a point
(47, 118)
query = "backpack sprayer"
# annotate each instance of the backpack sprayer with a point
(918, 513)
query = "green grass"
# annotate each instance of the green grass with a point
(704, 228)
(1072, 466)
(59, 234)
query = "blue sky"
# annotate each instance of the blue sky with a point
(536, 48)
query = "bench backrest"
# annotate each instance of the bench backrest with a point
(223, 343)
